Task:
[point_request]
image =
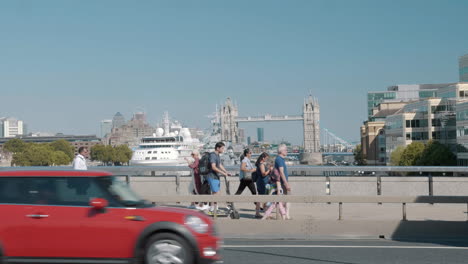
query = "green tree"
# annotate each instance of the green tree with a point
(395, 157)
(59, 158)
(122, 155)
(15, 145)
(359, 156)
(411, 154)
(437, 154)
(102, 153)
(65, 147)
(34, 155)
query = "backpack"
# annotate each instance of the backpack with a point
(204, 167)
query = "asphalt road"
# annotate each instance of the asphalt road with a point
(343, 252)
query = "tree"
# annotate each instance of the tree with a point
(102, 153)
(34, 155)
(395, 157)
(122, 154)
(59, 158)
(109, 155)
(411, 154)
(358, 155)
(437, 154)
(65, 147)
(15, 145)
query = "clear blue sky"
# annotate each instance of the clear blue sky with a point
(66, 65)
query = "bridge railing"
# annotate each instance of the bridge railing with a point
(326, 180)
(340, 200)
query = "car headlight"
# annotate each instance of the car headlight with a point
(196, 224)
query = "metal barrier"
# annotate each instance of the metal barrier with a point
(403, 200)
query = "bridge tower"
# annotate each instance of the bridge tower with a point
(311, 115)
(311, 110)
(229, 126)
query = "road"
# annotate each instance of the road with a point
(342, 252)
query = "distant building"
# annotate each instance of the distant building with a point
(249, 141)
(462, 133)
(106, 127)
(118, 120)
(402, 93)
(11, 127)
(241, 135)
(260, 134)
(429, 119)
(373, 142)
(130, 133)
(463, 67)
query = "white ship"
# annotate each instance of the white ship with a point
(169, 146)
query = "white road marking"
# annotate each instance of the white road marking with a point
(338, 246)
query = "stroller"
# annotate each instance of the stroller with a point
(230, 209)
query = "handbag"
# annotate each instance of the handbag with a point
(248, 176)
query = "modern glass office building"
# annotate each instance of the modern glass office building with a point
(463, 67)
(424, 120)
(402, 93)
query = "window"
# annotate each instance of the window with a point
(73, 191)
(408, 123)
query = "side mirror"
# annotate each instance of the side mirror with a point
(98, 203)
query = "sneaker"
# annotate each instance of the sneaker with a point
(203, 207)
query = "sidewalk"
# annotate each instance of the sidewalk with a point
(312, 221)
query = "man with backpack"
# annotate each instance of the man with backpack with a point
(215, 169)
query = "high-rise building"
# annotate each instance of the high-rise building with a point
(260, 134)
(118, 120)
(241, 135)
(249, 141)
(11, 127)
(131, 132)
(463, 67)
(106, 127)
(402, 93)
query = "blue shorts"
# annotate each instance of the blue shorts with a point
(214, 184)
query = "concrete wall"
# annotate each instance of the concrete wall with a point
(303, 185)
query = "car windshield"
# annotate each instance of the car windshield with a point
(121, 192)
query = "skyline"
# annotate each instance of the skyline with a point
(69, 65)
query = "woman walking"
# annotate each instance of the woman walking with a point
(246, 180)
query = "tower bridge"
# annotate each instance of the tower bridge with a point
(229, 120)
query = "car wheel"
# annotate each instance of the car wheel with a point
(168, 248)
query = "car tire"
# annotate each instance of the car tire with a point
(168, 248)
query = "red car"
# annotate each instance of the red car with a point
(92, 217)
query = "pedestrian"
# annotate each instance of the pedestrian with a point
(216, 170)
(282, 170)
(196, 179)
(263, 174)
(246, 179)
(79, 163)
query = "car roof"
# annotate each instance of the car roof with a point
(53, 173)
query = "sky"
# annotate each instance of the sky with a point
(67, 65)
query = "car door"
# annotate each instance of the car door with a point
(102, 233)
(52, 224)
(14, 206)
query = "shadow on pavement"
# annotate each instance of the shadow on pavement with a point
(450, 233)
(287, 256)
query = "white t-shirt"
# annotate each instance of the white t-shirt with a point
(248, 166)
(79, 163)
